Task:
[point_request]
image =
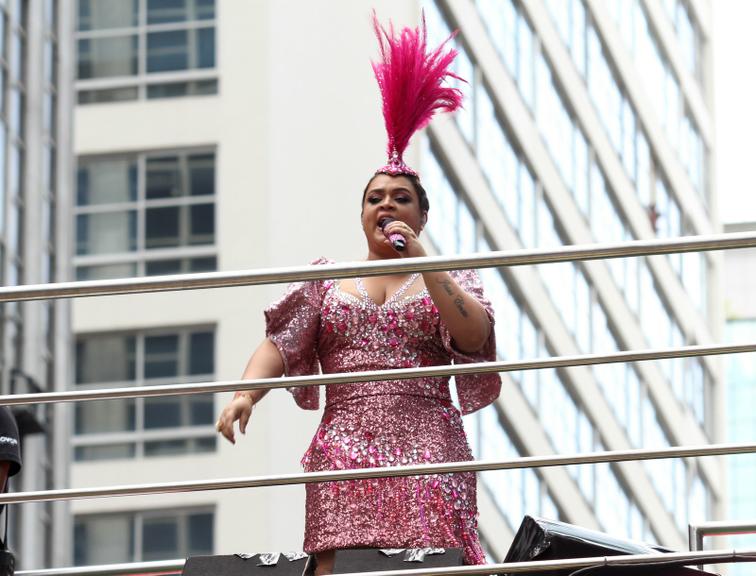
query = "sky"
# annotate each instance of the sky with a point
(733, 45)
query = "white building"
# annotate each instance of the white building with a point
(234, 134)
(36, 61)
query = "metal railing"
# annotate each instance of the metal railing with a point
(669, 559)
(373, 375)
(384, 472)
(503, 258)
(697, 532)
(156, 567)
(330, 271)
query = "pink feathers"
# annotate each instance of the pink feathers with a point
(410, 80)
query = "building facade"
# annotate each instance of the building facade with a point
(208, 134)
(36, 60)
(566, 140)
(740, 371)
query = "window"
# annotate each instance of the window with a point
(105, 57)
(132, 49)
(168, 425)
(515, 492)
(668, 99)
(741, 397)
(525, 51)
(438, 32)
(522, 200)
(612, 504)
(13, 63)
(498, 159)
(689, 37)
(452, 226)
(465, 117)
(501, 19)
(142, 536)
(528, 194)
(442, 222)
(612, 105)
(145, 214)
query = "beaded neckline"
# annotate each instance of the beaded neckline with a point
(398, 294)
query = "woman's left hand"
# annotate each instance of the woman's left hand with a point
(413, 248)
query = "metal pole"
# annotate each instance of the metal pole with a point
(109, 569)
(697, 532)
(377, 267)
(373, 375)
(695, 541)
(670, 558)
(383, 472)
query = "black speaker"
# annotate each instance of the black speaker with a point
(244, 565)
(540, 539)
(372, 559)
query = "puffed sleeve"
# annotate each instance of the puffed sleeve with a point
(292, 324)
(475, 391)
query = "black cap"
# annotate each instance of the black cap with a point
(10, 449)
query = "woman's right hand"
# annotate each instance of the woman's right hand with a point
(240, 408)
(266, 362)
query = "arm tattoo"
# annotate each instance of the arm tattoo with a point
(458, 301)
(447, 287)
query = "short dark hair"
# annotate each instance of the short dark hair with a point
(422, 195)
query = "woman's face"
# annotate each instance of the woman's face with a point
(392, 196)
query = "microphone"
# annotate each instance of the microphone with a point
(397, 240)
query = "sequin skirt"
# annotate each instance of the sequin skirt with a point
(391, 430)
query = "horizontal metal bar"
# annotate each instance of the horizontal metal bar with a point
(374, 375)
(725, 527)
(384, 472)
(679, 558)
(676, 558)
(697, 532)
(109, 569)
(377, 267)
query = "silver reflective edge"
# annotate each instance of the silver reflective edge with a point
(710, 557)
(385, 472)
(697, 532)
(377, 267)
(374, 375)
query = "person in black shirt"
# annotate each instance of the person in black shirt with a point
(10, 448)
(10, 465)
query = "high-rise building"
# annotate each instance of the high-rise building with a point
(589, 121)
(36, 60)
(740, 371)
(225, 134)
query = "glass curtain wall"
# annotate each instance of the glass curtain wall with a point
(536, 223)
(741, 397)
(13, 48)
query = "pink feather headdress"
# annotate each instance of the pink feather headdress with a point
(410, 80)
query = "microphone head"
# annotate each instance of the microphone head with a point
(385, 221)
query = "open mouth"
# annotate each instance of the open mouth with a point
(383, 221)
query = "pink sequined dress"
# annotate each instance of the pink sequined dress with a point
(383, 423)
